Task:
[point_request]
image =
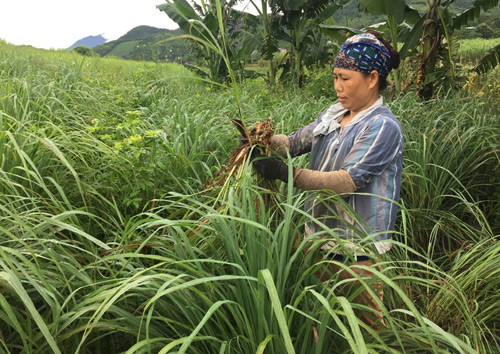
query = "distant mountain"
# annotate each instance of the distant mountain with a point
(90, 41)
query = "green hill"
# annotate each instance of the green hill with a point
(142, 32)
(148, 43)
(124, 49)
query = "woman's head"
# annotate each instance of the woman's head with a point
(368, 52)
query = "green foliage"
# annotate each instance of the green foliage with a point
(350, 15)
(489, 60)
(470, 51)
(110, 240)
(305, 41)
(473, 12)
(221, 44)
(142, 32)
(485, 31)
(123, 49)
(437, 166)
(428, 35)
(320, 83)
(485, 86)
(394, 9)
(83, 50)
(149, 44)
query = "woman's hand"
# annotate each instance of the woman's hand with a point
(270, 167)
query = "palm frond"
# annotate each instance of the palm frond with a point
(473, 13)
(489, 60)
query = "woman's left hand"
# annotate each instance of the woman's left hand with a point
(270, 167)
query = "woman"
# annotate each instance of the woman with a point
(356, 149)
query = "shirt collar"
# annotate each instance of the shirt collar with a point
(333, 116)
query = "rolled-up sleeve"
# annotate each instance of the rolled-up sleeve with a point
(379, 143)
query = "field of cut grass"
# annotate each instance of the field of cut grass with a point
(112, 239)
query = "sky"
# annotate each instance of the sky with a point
(56, 24)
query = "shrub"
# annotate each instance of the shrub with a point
(86, 51)
(319, 82)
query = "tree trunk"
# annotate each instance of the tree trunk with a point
(271, 69)
(431, 43)
(271, 72)
(294, 59)
(396, 73)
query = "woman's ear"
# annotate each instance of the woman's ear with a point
(373, 77)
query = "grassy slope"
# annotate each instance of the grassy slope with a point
(124, 48)
(107, 244)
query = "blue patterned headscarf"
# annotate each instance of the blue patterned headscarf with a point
(364, 53)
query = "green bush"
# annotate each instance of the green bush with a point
(83, 50)
(319, 82)
(485, 31)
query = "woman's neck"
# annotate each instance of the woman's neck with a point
(370, 103)
(349, 116)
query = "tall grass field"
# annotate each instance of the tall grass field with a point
(114, 237)
(471, 50)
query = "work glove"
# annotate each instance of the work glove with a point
(270, 167)
(274, 168)
(243, 139)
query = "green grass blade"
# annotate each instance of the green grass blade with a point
(266, 279)
(213, 308)
(11, 279)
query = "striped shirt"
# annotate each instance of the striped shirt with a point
(370, 149)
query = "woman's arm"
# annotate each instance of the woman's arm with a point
(338, 181)
(280, 144)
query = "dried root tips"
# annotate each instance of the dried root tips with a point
(259, 134)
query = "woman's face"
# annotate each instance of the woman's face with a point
(355, 91)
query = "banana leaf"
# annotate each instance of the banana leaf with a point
(489, 60)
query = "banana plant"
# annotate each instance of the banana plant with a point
(264, 25)
(300, 18)
(435, 45)
(429, 36)
(395, 12)
(201, 25)
(399, 16)
(489, 60)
